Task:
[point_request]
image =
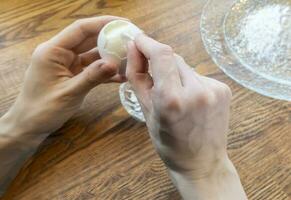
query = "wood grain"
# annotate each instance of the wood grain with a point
(102, 153)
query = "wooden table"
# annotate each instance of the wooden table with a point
(102, 153)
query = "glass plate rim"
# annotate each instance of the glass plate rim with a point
(216, 60)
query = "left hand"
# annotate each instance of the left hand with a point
(62, 71)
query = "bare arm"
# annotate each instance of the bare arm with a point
(16, 145)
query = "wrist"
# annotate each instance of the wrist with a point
(221, 183)
(9, 125)
(16, 124)
(17, 143)
(12, 132)
(206, 170)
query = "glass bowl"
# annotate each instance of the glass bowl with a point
(250, 40)
(130, 102)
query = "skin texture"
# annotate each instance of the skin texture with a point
(186, 114)
(62, 72)
(187, 117)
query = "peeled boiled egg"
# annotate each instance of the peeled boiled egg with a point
(112, 41)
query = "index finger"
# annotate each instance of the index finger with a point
(162, 61)
(81, 29)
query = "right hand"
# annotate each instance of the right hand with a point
(187, 114)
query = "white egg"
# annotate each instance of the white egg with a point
(113, 39)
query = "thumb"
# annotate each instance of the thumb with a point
(96, 73)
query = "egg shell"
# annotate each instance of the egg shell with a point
(112, 41)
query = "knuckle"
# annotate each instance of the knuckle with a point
(41, 51)
(109, 69)
(98, 74)
(170, 109)
(91, 80)
(165, 50)
(204, 98)
(172, 103)
(47, 52)
(223, 91)
(78, 22)
(168, 102)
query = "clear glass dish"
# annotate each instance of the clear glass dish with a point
(250, 40)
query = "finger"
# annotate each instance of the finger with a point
(187, 74)
(83, 60)
(77, 32)
(86, 45)
(137, 74)
(118, 78)
(162, 62)
(96, 73)
(89, 57)
(146, 45)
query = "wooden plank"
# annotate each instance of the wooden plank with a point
(102, 153)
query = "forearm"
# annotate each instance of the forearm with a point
(16, 145)
(222, 184)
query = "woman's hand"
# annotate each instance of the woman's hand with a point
(187, 116)
(62, 71)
